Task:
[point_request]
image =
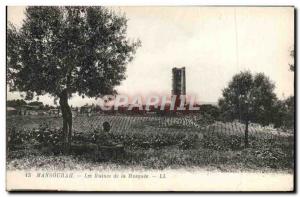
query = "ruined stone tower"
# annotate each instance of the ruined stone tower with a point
(178, 82)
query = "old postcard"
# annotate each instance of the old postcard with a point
(150, 98)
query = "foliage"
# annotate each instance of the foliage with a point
(249, 98)
(151, 146)
(292, 65)
(15, 103)
(42, 136)
(66, 50)
(83, 49)
(36, 103)
(284, 114)
(37, 148)
(264, 155)
(210, 111)
(46, 136)
(154, 140)
(221, 142)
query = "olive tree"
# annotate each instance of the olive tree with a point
(67, 50)
(249, 98)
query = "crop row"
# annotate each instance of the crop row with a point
(148, 124)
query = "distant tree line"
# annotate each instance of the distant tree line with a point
(17, 103)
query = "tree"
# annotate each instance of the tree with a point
(284, 113)
(249, 99)
(36, 103)
(16, 103)
(210, 111)
(67, 50)
(289, 102)
(290, 112)
(292, 65)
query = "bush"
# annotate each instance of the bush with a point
(34, 137)
(235, 142)
(222, 142)
(44, 136)
(210, 111)
(152, 140)
(188, 142)
(156, 149)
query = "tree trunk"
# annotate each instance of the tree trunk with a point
(246, 134)
(67, 120)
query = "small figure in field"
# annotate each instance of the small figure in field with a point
(104, 138)
(108, 148)
(106, 126)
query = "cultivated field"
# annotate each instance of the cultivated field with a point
(151, 142)
(122, 123)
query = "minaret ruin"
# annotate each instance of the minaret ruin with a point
(178, 83)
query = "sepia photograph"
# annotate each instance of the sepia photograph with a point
(150, 98)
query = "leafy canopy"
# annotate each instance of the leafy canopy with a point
(81, 49)
(249, 98)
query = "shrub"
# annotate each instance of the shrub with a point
(33, 137)
(188, 142)
(221, 142)
(235, 142)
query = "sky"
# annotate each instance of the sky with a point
(213, 43)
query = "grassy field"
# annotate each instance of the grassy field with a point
(146, 124)
(154, 142)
